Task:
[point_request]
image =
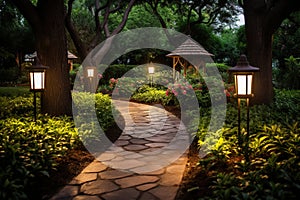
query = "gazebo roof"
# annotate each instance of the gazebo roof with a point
(71, 56)
(33, 55)
(189, 47)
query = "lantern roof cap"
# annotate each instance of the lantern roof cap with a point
(243, 66)
(38, 66)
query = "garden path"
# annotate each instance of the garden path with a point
(146, 162)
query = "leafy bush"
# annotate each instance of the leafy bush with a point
(29, 150)
(16, 106)
(114, 71)
(86, 105)
(223, 70)
(148, 94)
(273, 170)
(289, 76)
(8, 76)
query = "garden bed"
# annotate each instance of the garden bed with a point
(69, 167)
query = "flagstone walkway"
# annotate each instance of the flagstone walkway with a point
(146, 162)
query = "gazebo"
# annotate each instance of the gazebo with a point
(192, 50)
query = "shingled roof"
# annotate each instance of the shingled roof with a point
(189, 47)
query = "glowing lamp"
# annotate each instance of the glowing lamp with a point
(243, 78)
(90, 72)
(151, 69)
(37, 77)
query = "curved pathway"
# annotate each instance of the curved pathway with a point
(146, 162)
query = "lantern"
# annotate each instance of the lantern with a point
(37, 77)
(151, 69)
(37, 81)
(243, 78)
(90, 72)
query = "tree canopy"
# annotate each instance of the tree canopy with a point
(88, 22)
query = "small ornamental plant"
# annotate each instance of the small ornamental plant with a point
(113, 82)
(179, 88)
(229, 90)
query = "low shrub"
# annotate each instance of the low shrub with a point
(85, 103)
(273, 170)
(152, 95)
(29, 150)
(115, 71)
(16, 106)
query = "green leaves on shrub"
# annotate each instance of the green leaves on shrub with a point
(151, 95)
(273, 171)
(16, 106)
(86, 103)
(29, 150)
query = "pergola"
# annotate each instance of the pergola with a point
(193, 51)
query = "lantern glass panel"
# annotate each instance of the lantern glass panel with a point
(244, 84)
(90, 73)
(37, 80)
(151, 70)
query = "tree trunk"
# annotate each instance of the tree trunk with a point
(259, 53)
(52, 51)
(262, 19)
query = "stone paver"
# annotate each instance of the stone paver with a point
(98, 187)
(136, 180)
(83, 178)
(145, 150)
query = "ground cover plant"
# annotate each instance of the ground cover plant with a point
(30, 152)
(273, 171)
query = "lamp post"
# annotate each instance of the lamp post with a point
(37, 81)
(243, 80)
(151, 70)
(90, 74)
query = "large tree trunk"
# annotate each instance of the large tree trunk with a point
(52, 52)
(262, 19)
(47, 22)
(259, 53)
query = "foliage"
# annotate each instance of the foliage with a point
(114, 71)
(29, 150)
(223, 70)
(273, 170)
(9, 75)
(84, 103)
(16, 106)
(287, 40)
(14, 91)
(229, 49)
(152, 95)
(289, 76)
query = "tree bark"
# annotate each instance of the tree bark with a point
(47, 21)
(52, 50)
(259, 53)
(262, 19)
